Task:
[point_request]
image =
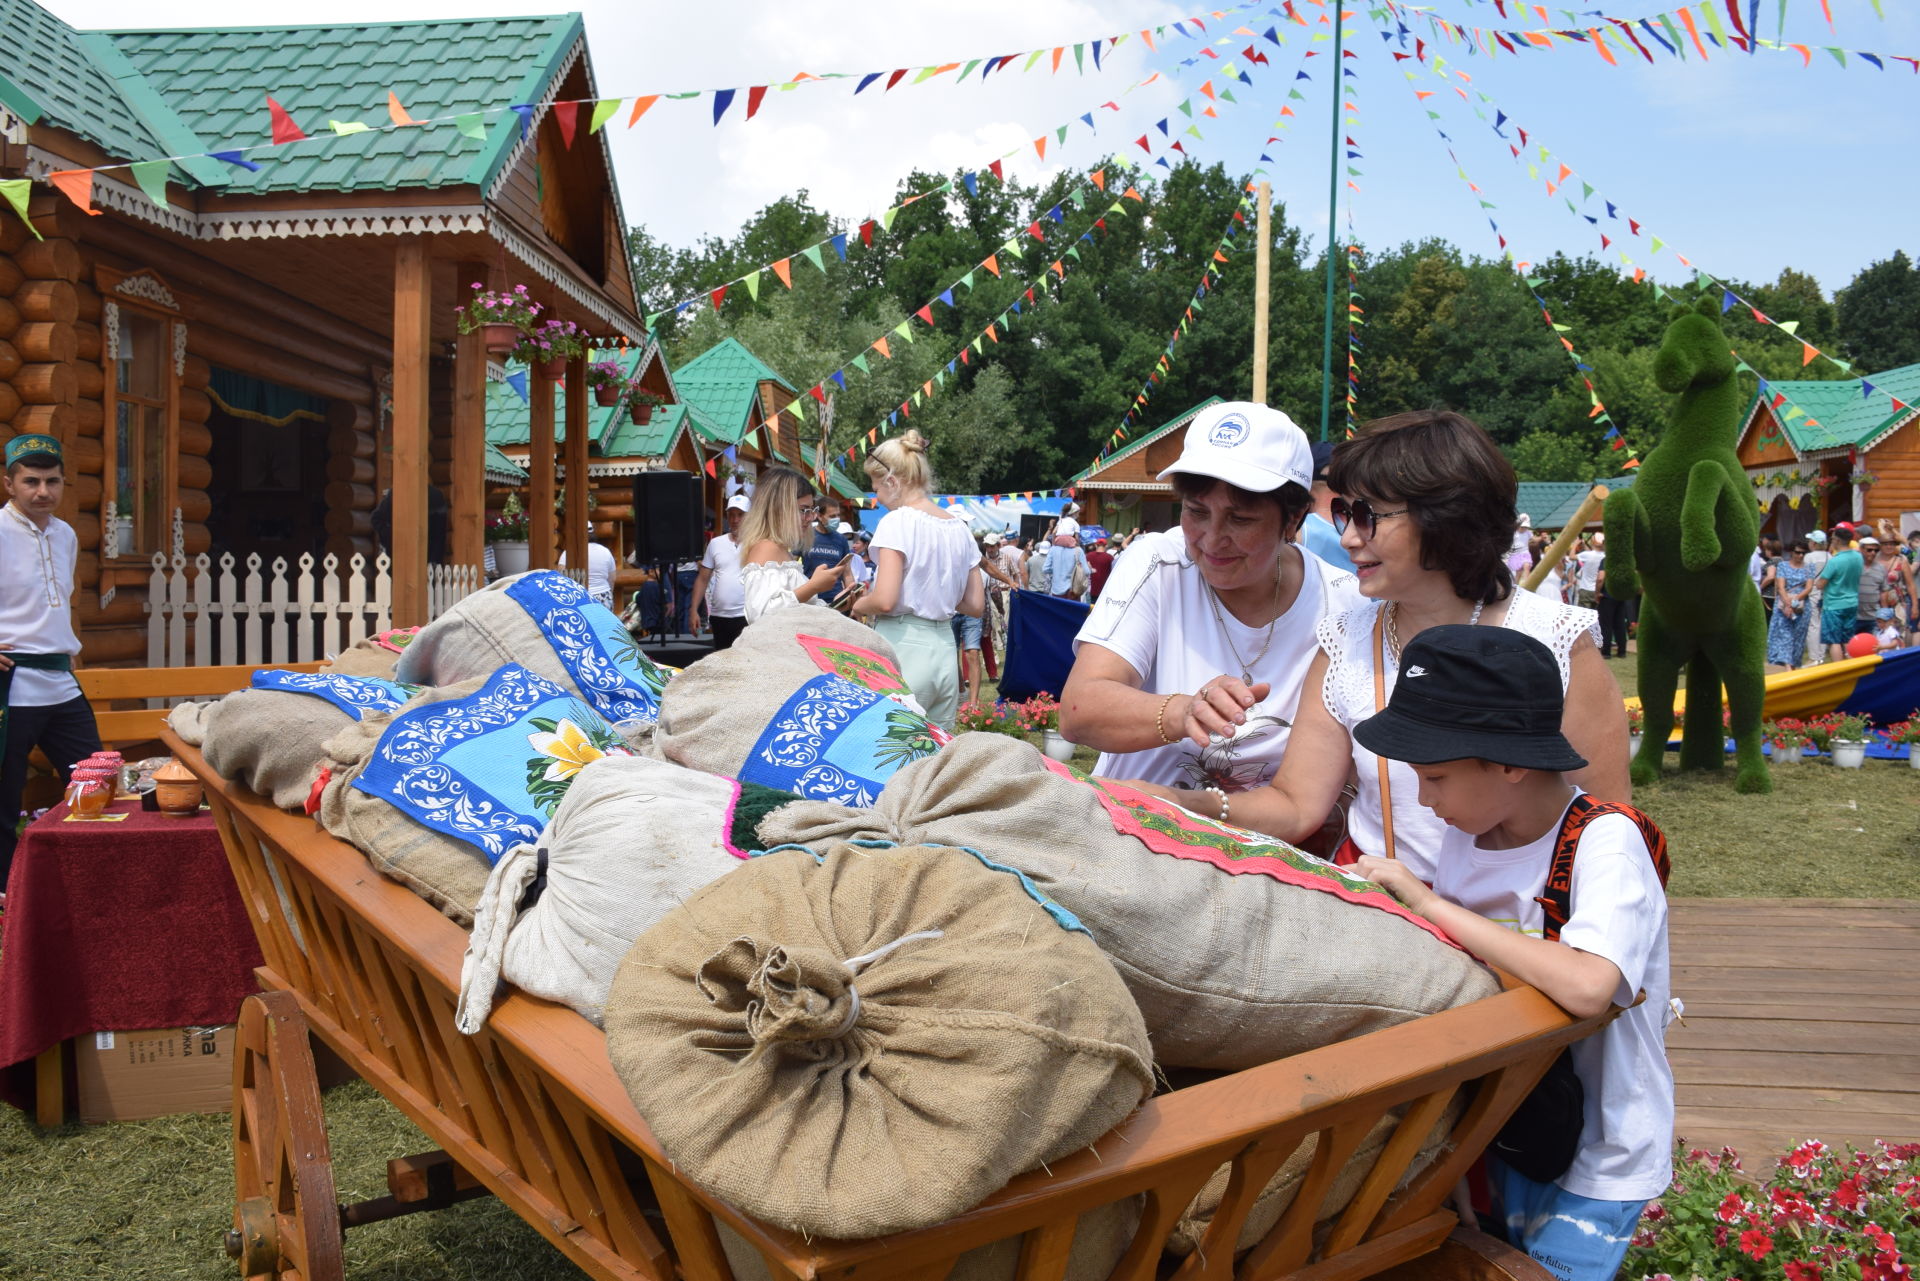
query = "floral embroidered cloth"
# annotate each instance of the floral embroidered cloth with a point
(1166, 828)
(594, 646)
(836, 740)
(354, 695)
(490, 768)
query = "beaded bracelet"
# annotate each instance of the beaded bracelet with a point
(1160, 720)
(1223, 801)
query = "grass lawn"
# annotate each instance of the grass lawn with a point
(151, 1198)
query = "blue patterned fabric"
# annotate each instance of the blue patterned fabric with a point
(354, 695)
(593, 645)
(837, 741)
(488, 769)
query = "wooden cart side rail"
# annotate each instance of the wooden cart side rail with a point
(534, 1104)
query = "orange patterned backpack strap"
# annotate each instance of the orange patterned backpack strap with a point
(1557, 900)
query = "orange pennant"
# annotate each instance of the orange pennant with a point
(396, 112)
(1040, 146)
(1807, 353)
(880, 345)
(1098, 178)
(76, 185)
(783, 268)
(640, 106)
(992, 263)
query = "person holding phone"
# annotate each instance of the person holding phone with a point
(776, 524)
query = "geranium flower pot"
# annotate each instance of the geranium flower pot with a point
(1789, 755)
(1633, 744)
(606, 397)
(642, 414)
(1913, 755)
(555, 369)
(1849, 755)
(1056, 745)
(500, 338)
(510, 556)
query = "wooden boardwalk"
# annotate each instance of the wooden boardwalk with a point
(1802, 1021)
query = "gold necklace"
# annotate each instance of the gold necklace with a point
(1246, 664)
(1393, 627)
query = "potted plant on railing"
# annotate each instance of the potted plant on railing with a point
(548, 347)
(503, 317)
(1789, 737)
(607, 382)
(641, 402)
(508, 534)
(1849, 741)
(1906, 734)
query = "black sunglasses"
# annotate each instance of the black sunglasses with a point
(1360, 512)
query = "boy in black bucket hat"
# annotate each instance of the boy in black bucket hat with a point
(1567, 894)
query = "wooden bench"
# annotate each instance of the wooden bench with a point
(530, 1110)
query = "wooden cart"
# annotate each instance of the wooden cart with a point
(530, 1111)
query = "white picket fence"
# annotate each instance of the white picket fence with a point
(201, 616)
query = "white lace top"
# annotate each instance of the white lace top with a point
(1348, 693)
(770, 584)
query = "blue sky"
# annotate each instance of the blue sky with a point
(1744, 163)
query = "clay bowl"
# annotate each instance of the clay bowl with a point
(176, 791)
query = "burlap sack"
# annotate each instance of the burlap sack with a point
(1238, 949)
(373, 656)
(631, 840)
(189, 721)
(271, 740)
(805, 701)
(873, 1041)
(545, 622)
(447, 873)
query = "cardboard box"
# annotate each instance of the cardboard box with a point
(130, 1076)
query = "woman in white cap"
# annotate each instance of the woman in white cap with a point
(1426, 510)
(926, 570)
(1188, 672)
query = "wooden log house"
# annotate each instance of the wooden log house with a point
(1821, 452)
(250, 365)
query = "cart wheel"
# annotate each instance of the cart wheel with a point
(286, 1221)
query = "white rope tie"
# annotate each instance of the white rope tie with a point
(861, 962)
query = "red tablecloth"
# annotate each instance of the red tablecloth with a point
(116, 927)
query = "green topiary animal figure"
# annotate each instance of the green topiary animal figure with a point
(1684, 534)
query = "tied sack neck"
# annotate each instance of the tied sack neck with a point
(800, 999)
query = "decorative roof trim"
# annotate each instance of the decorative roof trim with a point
(1892, 427)
(501, 229)
(1132, 487)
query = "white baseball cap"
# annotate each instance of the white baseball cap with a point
(843, 528)
(1869, 541)
(739, 503)
(1816, 536)
(991, 539)
(1253, 446)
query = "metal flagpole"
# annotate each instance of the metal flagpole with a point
(1261, 302)
(1333, 229)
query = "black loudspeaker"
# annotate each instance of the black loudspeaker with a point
(668, 521)
(1035, 527)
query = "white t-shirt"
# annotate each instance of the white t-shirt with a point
(1619, 911)
(601, 568)
(1756, 567)
(1348, 693)
(1816, 561)
(1590, 562)
(940, 553)
(36, 597)
(1156, 614)
(770, 585)
(725, 597)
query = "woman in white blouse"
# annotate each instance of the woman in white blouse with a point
(781, 516)
(926, 570)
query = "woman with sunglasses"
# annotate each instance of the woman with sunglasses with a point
(778, 522)
(1427, 513)
(1188, 671)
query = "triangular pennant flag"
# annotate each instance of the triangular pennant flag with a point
(880, 345)
(752, 281)
(567, 116)
(719, 296)
(152, 177)
(640, 106)
(840, 245)
(603, 111)
(472, 125)
(284, 129)
(396, 112)
(754, 96)
(76, 185)
(926, 313)
(347, 126)
(992, 264)
(812, 254)
(783, 268)
(17, 192)
(722, 99)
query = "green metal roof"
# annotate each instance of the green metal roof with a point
(1838, 414)
(720, 384)
(46, 73)
(611, 431)
(216, 83)
(1185, 417)
(836, 479)
(651, 439)
(502, 469)
(1551, 504)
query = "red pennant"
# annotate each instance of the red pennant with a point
(926, 313)
(567, 116)
(817, 393)
(1033, 229)
(1029, 295)
(894, 79)
(866, 233)
(1633, 226)
(719, 296)
(284, 129)
(966, 354)
(1141, 142)
(754, 95)
(997, 172)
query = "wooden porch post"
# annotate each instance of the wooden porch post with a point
(469, 496)
(412, 324)
(574, 535)
(540, 551)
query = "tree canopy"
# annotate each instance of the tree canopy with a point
(1441, 329)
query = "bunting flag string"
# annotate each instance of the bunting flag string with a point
(1670, 33)
(1598, 414)
(1563, 173)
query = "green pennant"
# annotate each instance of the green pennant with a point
(812, 254)
(17, 192)
(1658, 244)
(904, 330)
(1788, 326)
(1839, 55)
(1033, 58)
(976, 344)
(1186, 108)
(1845, 365)
(1352, 172)
(1079, 197)
(1116, 207)
(886, 219)
(916, 400)
(1673, 34)
(472, 124)
(602, 112)
(1061, 133)
(752, 279)
(968, 69)
(1295, 93)
(1533, 172)
(926, 74)
(1073, 251)
(966, 281)
(691, 93)
(1080, 59)
(1226, 95)
(346, 126)
(152, 177)
(1586, 190)
(1195, 131)
(1198, 304)
(860, 363)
